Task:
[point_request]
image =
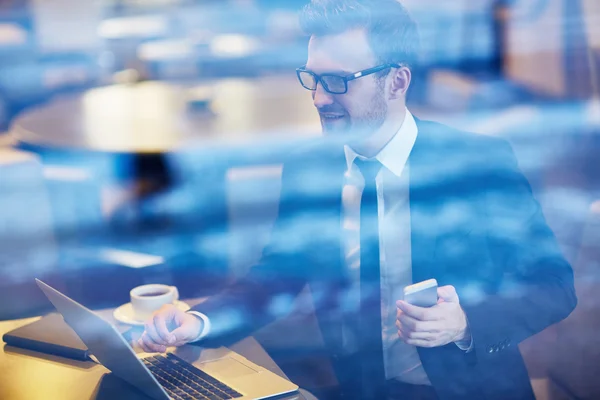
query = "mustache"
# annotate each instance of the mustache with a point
(331, 109)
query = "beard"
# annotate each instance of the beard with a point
(354, 126)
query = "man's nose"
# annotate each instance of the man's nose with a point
(321, 97)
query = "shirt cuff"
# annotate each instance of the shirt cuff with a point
(465, 345)
(205, 326)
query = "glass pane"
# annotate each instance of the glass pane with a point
(308, 80)
(335, 84)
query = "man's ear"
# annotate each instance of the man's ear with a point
(401, 78)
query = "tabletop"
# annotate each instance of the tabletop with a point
(29, 375)
(158, 117)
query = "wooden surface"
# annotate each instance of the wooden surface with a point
(29, 375)
(156, 117)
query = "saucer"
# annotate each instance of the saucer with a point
(125, 313)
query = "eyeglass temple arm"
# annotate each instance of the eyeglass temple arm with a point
(372, 70)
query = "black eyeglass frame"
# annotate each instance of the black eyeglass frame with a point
(347, 78)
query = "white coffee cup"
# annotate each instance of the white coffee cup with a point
(146, 299)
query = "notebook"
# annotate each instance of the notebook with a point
(50, 335)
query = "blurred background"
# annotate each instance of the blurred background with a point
(141, 141)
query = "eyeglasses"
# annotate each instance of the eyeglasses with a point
(332, 83)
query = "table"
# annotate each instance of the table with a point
(28, 375)
(155, 117)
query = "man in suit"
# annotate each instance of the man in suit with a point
(385, 200)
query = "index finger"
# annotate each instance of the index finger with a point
(418, 313)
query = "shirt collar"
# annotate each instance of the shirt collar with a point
(394, 155)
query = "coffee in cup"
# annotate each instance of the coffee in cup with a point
(146, 299)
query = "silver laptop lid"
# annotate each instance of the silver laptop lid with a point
(105, 343)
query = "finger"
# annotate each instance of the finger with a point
(428, 336)
(409, 333)
(142, 344)
(145, 342)
(414, 325)
(414, 336)
(151, 347)
(421, 343)
(448, 294)
(407, 322)
(419, 313)
(160, 324)
(182, 334)
(151, 332)
(401, 335)
(155, 348)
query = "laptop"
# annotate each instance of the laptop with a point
(224, 375)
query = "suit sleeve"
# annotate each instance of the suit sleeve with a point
(269, 288)
(537, 287)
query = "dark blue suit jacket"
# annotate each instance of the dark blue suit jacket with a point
(474, 225)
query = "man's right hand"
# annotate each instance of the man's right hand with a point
(167, 327)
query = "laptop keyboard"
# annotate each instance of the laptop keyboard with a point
(183, 381)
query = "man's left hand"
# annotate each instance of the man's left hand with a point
(435, 326)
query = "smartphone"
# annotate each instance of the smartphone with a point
(422, 294)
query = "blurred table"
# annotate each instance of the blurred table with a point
(135, 132)
(30, 375)
(157, 117)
